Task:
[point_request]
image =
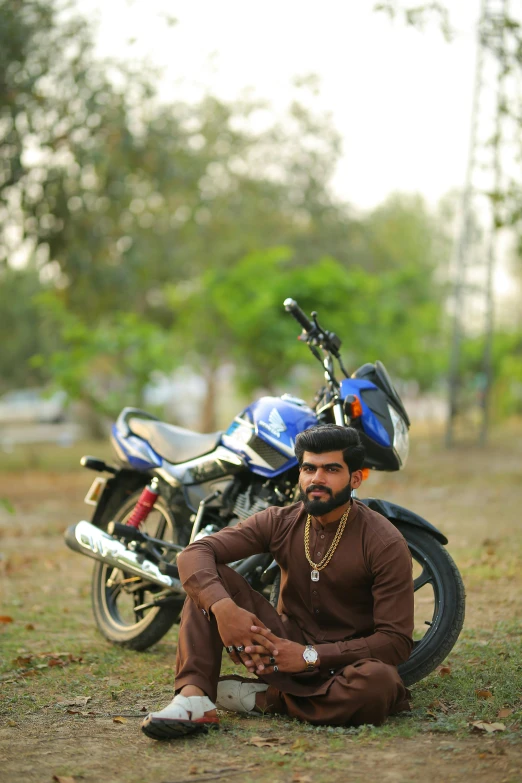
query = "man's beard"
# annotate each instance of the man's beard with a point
(319, 508)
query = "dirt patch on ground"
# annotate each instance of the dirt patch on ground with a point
(473, 497)
(96, 749)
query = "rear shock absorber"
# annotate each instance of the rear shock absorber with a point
(144, 505)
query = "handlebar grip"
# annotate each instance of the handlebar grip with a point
(293, 308)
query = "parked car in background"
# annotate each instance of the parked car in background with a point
(32, 406)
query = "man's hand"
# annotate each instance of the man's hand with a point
(289, 656)
(235, 627)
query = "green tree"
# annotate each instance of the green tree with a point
(236, 315)
(21, 320)
(149, 222)
(106, 364)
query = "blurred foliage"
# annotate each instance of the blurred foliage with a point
(500, 35)
(21, 329)
(507, 371)
(105, 362)
(7, 505)
(370, 312)
(140, 235)
(419, 16)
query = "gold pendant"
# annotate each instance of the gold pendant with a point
(314, 576)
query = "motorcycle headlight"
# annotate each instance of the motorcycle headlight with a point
(401, 439)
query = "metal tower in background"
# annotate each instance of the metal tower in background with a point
(476, 246)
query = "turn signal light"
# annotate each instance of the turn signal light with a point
(353, 407)
(365, 473)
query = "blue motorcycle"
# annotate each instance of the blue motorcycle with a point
(172, 486)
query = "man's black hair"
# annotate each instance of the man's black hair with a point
(332, 437)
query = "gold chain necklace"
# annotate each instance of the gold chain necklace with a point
(316, 567)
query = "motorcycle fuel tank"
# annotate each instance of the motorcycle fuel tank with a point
(264, 433)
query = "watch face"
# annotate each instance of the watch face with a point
(310, 655)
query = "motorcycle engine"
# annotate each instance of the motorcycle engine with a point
(244, 507)
(257, 498)
(246, 504)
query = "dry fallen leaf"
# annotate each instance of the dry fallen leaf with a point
(62, 779)
(266, 742)
(29, 627)
(438, 704)
(476, 661)
(119, 719)
(75, 701)
(496, 750)
(297, 778)
(480, 725)
(504, 713)
(23, 660)
(5, 619)
(444, 671)
(482, 693)
(302, 744)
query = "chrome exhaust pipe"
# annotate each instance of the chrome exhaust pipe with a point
(89, 540)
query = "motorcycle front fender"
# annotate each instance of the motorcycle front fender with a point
(396, 513)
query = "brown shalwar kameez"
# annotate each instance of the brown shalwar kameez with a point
(358, 616)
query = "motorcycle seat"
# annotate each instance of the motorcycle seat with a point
(174, 444)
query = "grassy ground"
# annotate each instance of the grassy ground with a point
(71, 704)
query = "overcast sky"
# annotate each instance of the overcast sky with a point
(400, 98)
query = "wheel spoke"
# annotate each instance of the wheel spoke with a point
(139, 599)
(160, 530)
(112, 578)
(422, 580)
(119, 593)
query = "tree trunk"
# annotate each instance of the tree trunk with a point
(208, 421)
(92, 420)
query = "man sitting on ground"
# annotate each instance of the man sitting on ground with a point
(344, 620)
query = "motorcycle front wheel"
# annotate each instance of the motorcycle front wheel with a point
(439, 603)
(122, 603)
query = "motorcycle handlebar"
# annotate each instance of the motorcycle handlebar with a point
(316, 335)
(293, 308)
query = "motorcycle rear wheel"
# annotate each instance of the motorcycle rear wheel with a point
(117, 595)
(439, 603)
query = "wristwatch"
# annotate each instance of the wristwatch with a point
(311, 656)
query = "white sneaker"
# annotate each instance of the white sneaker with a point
(237, 696)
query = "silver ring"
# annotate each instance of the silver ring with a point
(276, 669)
(230, 648)
(271, 660)
(240, 648)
